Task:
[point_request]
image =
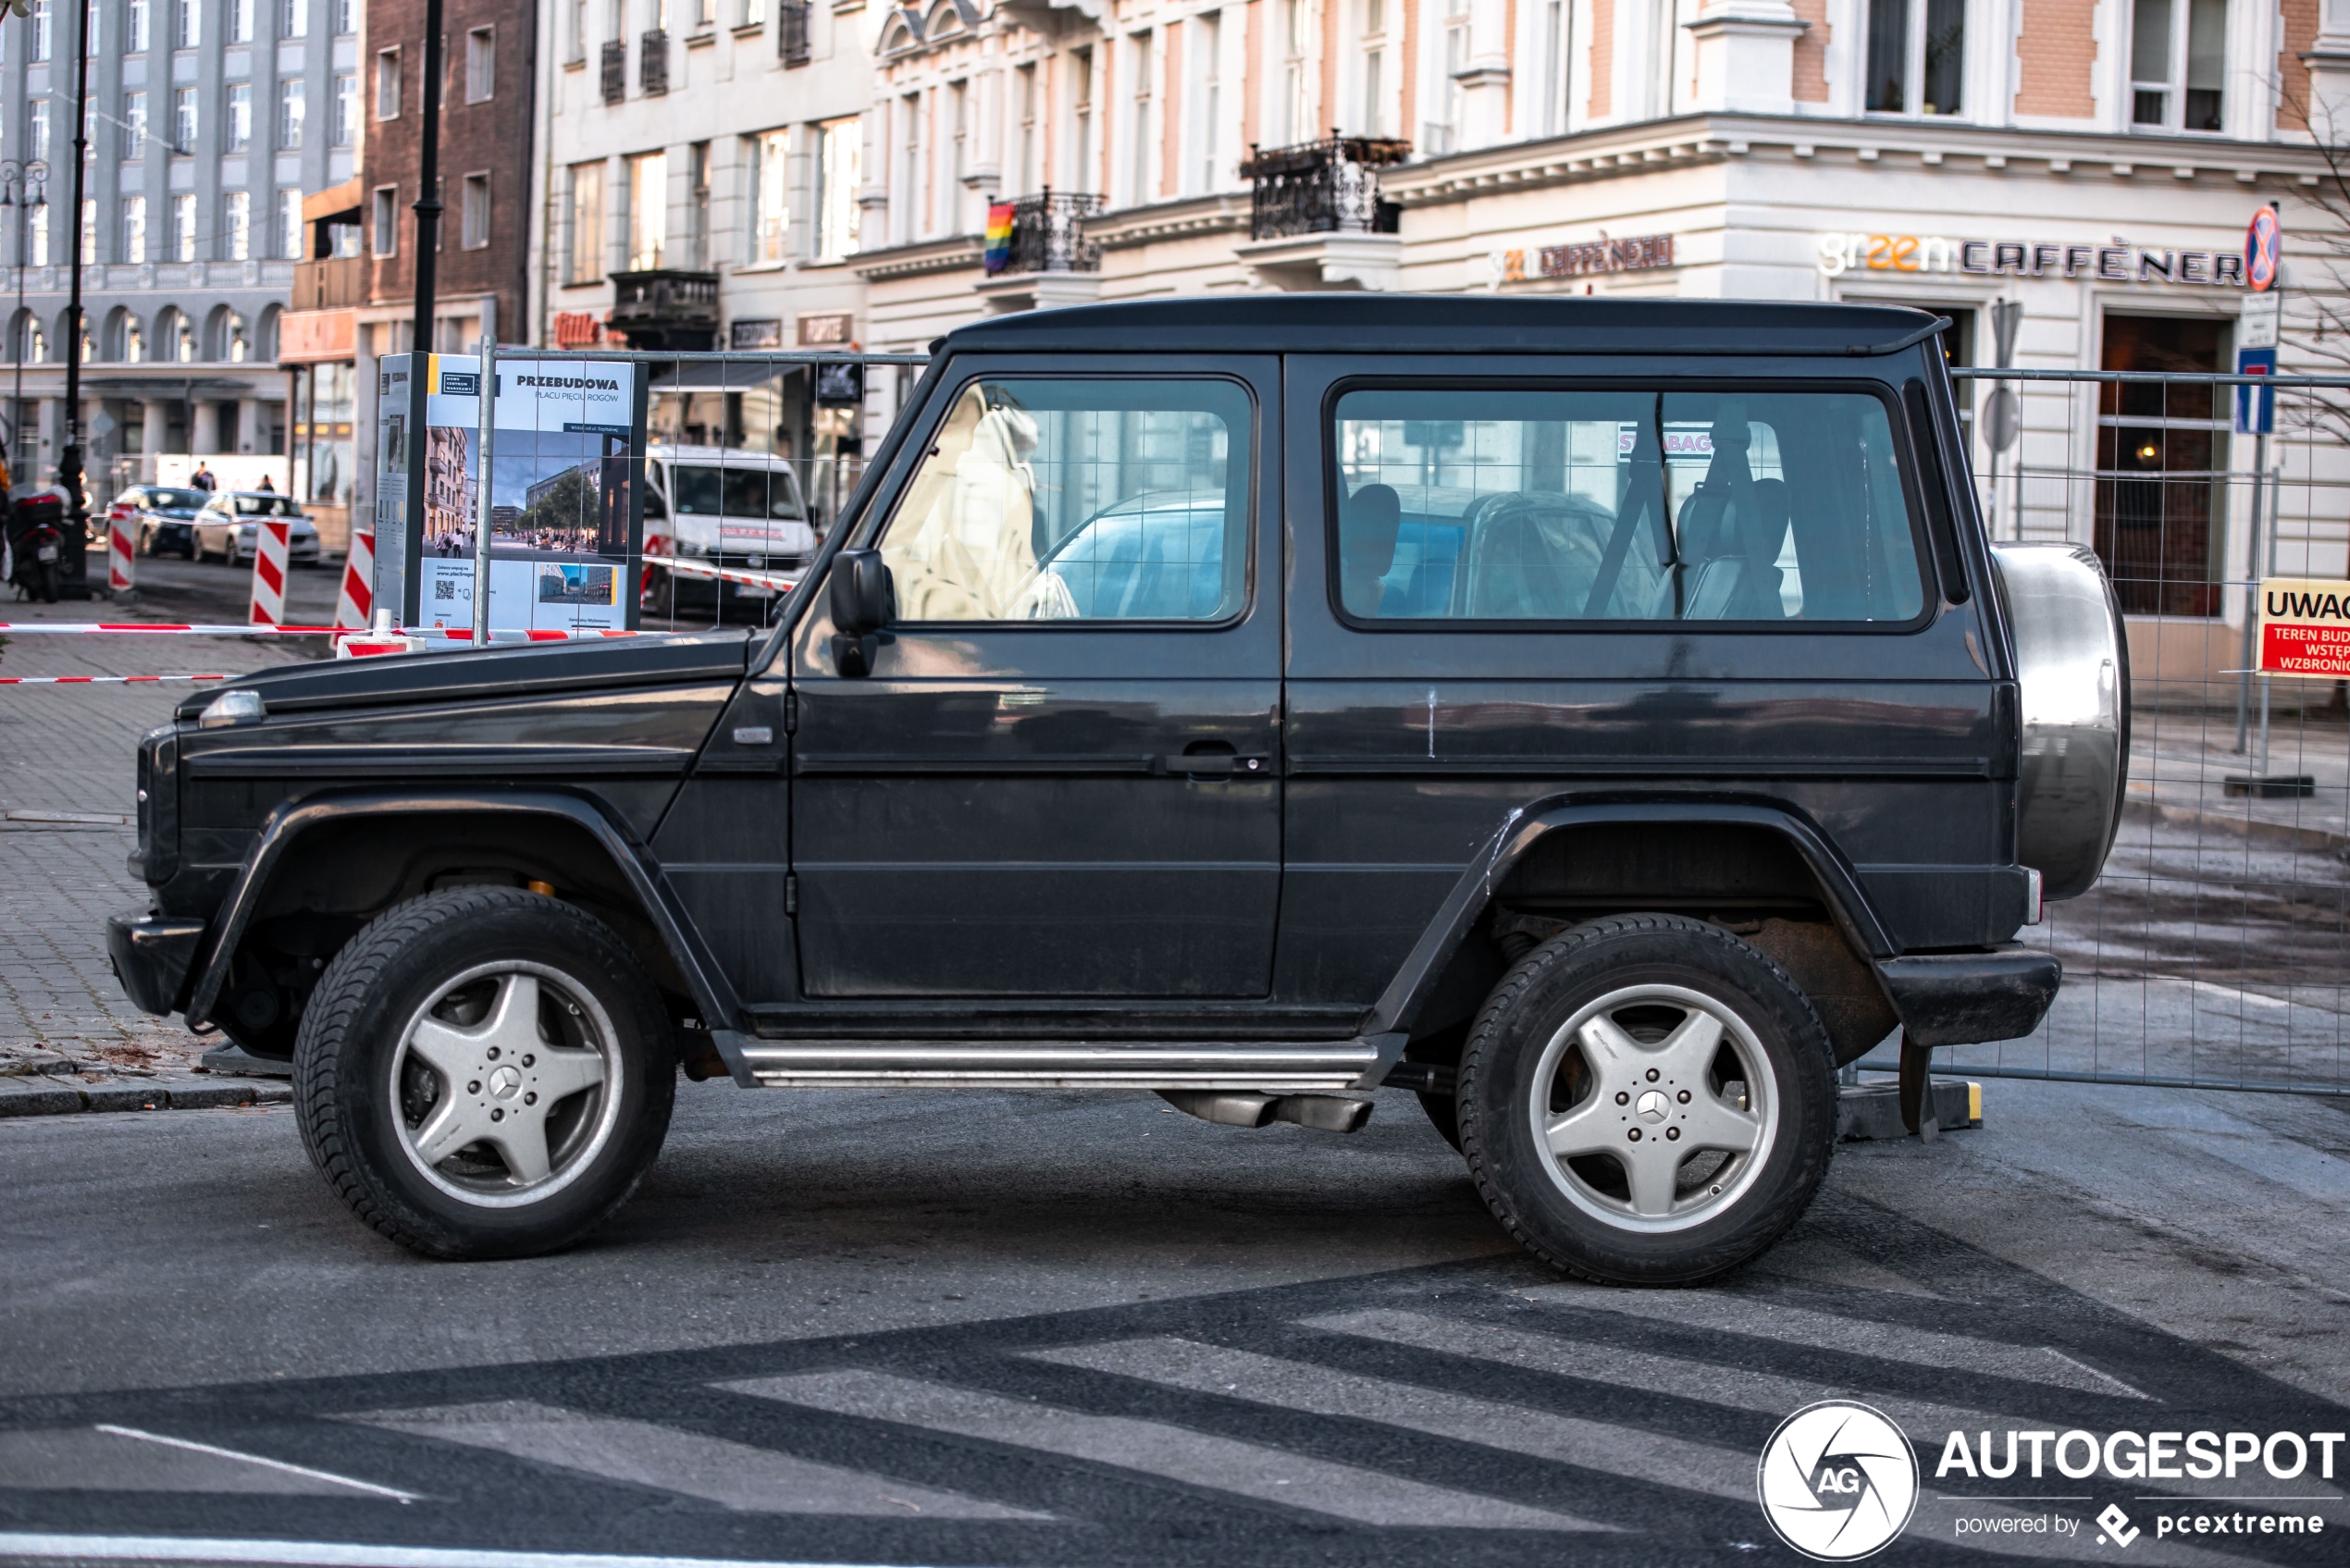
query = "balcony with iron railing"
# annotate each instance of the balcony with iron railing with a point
(1326, 187)
(791, 32)
(665, 308)
(1048, 234)
(615, 70)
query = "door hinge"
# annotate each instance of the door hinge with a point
(791, 711)
(791, 893)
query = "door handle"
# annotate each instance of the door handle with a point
(1212, 765)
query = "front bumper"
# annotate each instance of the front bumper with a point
(1965, 998)
(152, 956)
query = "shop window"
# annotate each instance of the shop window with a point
(2163, 460)
(1916, 57)
(2178, 63)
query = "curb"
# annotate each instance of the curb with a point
(49, 1096)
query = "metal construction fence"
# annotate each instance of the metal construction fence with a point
(2215, 951)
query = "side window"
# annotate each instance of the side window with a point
(1065, 500)
(1545, 506)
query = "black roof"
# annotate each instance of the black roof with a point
(1342, 323)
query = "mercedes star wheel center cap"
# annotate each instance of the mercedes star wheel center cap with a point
(1653, 1106)
(505, 1083)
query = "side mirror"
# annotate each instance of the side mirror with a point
(863, 603)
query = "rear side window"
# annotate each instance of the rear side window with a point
(704, 490)
(1072, 500)
(1527, 505)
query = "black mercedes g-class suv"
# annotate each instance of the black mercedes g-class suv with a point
(1602, 719)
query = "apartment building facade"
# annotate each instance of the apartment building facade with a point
(207, 121)
(704, 166)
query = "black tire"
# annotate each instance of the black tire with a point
(362, 1098)
(1657, 980)
(1444, 1113)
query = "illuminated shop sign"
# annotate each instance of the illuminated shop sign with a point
(1640, 254)
(1841, 253)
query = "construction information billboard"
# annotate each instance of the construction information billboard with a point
(565, 494)
(2304, 627)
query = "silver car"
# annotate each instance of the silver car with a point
(230, 526)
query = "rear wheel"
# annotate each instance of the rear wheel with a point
(1647, 1100)
(483, 1072)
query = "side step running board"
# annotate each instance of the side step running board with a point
(1282, 1067)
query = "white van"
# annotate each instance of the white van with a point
(725, 506)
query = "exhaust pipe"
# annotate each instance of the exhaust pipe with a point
(1231, 1107)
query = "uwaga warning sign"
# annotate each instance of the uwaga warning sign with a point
(2304, 627)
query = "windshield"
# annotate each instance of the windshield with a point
(701, 490)
(267, 506)
(175, 501)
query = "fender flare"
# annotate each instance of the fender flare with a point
(287, 823)
(1399, 1006)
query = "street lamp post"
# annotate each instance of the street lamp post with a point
(428, 210)
(24, 187)
(70, 461)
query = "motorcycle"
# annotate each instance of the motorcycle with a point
(36, 546)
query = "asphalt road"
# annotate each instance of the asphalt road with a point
(1060, 1329)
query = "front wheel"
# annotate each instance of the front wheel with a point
(1647, 1100)
(483, 1072)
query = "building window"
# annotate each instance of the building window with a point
(705, 15)
(839, 165)
(481, 64)
(292, 103)
(387, 84)
(183, 228)
(575, 44)
(89, 228)
(290, 225)
(187, 24)
(586, 224)
(1208, 30)
(346, 18)
(959, 107)
(697, 206)
(134, 229)
(134, 38)
(764, 157)
(473, 214)
(237, 212)
(1081, 71)
(1557, 44)
(1297, 102)
(2178, 64)
(240, 116)
(45, 29)
(791, 33)
(40, 227)
(293, 19)
(754, 13)
(1139, 122)
(183, 121)
(134, 124)
(1374, 67)
(1917, 55)
(240, 21)
(1024, 172)
(1442, 135)
(648, 211)
(346, 108)
(386, 222)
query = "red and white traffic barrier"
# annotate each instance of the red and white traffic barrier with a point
(354, 605)
(167, 628)
(99, 680)
(271, 542)
(684, 568)
(119, 580)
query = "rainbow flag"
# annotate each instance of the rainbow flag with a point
(998, 255)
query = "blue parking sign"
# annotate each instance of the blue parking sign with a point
(2256, 406)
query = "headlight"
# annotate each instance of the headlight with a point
(235, 706)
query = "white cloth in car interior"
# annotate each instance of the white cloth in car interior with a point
(962, 546)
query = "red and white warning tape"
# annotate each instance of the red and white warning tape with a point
(99, 680)
(453, 633)
(776, 580)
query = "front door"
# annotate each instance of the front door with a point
(1061, 778)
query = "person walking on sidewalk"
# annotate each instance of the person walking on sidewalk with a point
(201, 479)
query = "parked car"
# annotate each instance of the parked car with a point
(229, 527)
(162, 518)
(1602, 720)
(722, 507)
